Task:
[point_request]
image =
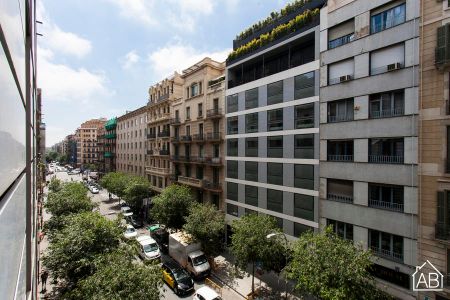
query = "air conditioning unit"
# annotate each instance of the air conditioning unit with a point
(345, 78)
(394, 66)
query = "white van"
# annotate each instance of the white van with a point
(148, 248)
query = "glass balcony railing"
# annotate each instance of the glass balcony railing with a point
(341, 41)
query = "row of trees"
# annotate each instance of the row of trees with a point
(87, 253)
(133, 189)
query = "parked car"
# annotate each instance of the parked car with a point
(130, 232)
(126, 211)
(148, 248)
(161, 236)
(136, 222)
(206, 293)
(93, 189)
(177, 278)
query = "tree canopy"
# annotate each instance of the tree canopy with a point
(172, 206)
(55, 185)
(116, 183)
(328, 267)
(138, 188)
(206, 225)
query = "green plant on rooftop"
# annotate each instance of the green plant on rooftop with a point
(274, 16)
(282, 30)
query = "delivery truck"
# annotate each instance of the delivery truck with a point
(188, 254)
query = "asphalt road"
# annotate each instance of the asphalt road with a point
(110, 209)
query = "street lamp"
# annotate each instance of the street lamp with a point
(272, 235)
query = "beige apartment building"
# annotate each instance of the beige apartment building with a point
(198, 130)
(434, 142)
(131, 140)
(87, 147)
(161, 95)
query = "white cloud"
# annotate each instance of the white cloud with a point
(178, 56)
(130, 59)
(137, 10)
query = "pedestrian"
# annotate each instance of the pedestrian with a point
(44, 276)
(109, 196)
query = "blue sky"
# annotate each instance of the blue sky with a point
(97, 58)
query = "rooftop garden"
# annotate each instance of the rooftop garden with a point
(278, 32)
(274, 16)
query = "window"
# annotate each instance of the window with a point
(302, 54)
(341, 34)
(194, 89)
(386, 197)
(389, 104)
(447, 169)
(304, 116)
(275, 200)
(386, 245)
(276, 63)
(275, 146)
(304, 85)
(275, 173)
(341, 71)
(275, 92)
(251, 195)
(251, 147)
(251, 98)
(340, 150)
(199, 172)
(341, 110)
(200, 110)
(340, 190)
(299, 229)
(249, 212)
(389, 18)
(386, 151)
(304, 207)
(443, 215)
(251, 170)
(251, 123)
(232, 103)
(232, 169)
(188, 113)
(304, 146)
(232, 209)
(232, 147)
(304, 176)
(232, 125)
(232, 191)
(275, 119)
(387, 59)
(343, 230)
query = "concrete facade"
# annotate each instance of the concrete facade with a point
(369, 132)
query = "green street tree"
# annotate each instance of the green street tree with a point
(55, 185)
(172, 206)
(116, 183)
(117, 276)
(249, 242)
(63, 159)
(328, 267)
(206, 225)
(51, 156)
(138, 188)
(73, 250)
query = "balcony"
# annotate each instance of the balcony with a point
(340, 118)
(175, 139)
(340, 198)
(108, 154)
(212, 186)
(394, 112)
(198, 183)
(186, 138)
(391, 255)
(150, 152)
(151, 136)
(214, 161)
(332, 157)
(387, 68)
(175, 121)
(156, 188)
(110, 136)
(159, 118)
(164, 134)
(214, 113)
(341, 41)
(386, 159)
(163, 97)
(158, 171)
(386, 205)
(213, 136)
(177, 158)
(198, 138)
(164, 152)
(340, 79)
(442, 232)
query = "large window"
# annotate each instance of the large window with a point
(341, 110)
(388, 18)
(340, 190)
(386, 245)
(386, 196)
(275, 146)
(304, 85)
(304, 146)
(386, 151)
(341, 34)
(232, 169)
(194, 89)
(304, 176)
(275, 200)
(251, 170)
(387, 59)
(251, 123)
(232, 209)
(251, 195)
(251, 98)
(232, 125)
(232, 147)
(343, 230)
(275, 173)
(232, 103)
(304, 116)
(304, 207)
(299, 229)
(389, 104)
(275, 119)
(275, 92)
(340, 150)
(232, 191)
(251, 147)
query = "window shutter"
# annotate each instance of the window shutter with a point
(440, 208)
